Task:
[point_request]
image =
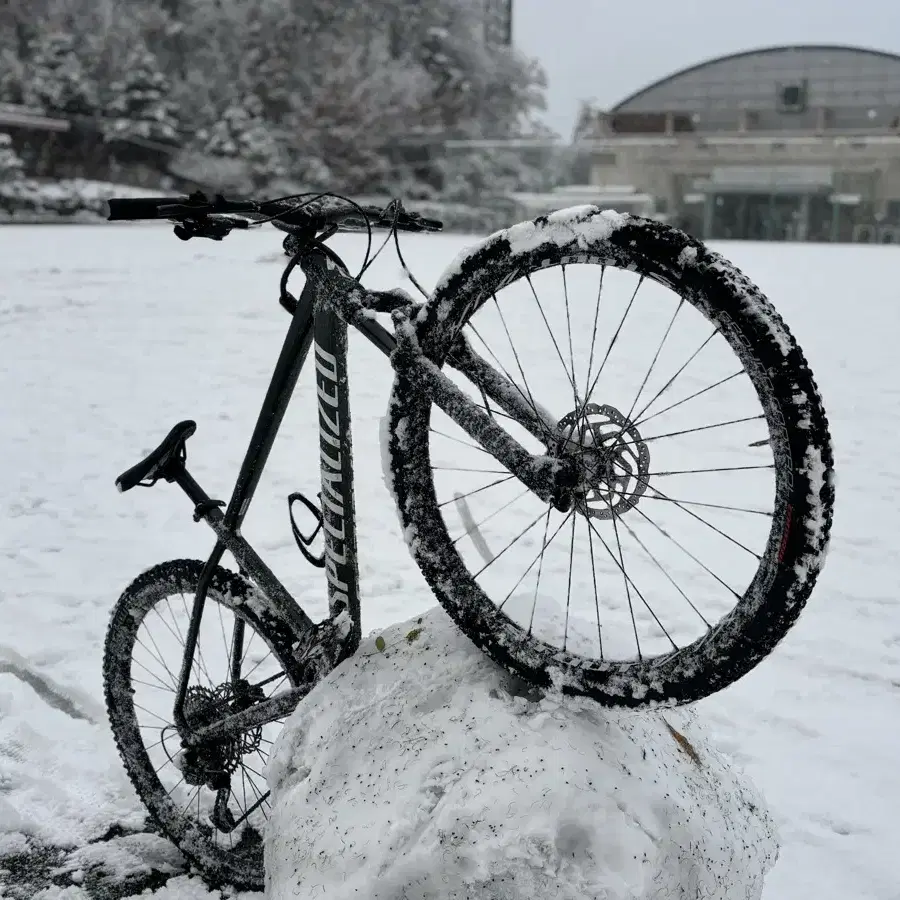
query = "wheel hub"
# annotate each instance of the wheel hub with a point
(611, 459)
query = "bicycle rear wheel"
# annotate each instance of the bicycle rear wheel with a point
(221, 830)
(586, 610)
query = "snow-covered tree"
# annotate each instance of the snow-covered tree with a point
(11, 77)
(359, 102)
(11, 166)
(140, 106)
(57, 79)
(338, 81)
(487, 171)
(478, 89)
(242, 133)
(273, 56)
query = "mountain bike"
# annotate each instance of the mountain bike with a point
(464, 425)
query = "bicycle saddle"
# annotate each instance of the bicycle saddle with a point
(159, 462)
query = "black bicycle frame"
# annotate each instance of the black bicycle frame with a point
(313, 324)
(331, 300)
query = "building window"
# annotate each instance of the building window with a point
(792, 97)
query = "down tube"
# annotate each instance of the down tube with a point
(336, 462)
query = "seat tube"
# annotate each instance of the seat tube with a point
(336, 463)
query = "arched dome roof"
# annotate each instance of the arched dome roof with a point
(857, 86)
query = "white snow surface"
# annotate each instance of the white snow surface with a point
(111, 334)
(426, 770)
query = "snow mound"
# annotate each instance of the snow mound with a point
(422, 769)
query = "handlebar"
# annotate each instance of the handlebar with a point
(198, 216)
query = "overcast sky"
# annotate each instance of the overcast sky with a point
(606, 49)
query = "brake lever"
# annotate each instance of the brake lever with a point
(214, 229)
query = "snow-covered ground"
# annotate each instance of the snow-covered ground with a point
(110, 335)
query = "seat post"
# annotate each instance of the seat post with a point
(186, 482)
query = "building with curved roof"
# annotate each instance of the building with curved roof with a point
(797, 142)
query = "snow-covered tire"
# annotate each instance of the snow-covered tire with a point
(798, 429)
(239, 866)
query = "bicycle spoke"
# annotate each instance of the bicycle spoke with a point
(263, 798)
(665, 572)
(247, 646)
(699, 518)
(629, 582)
(194, 794)
(743, 509)
(257, 774)
(527, 392)
(705, 471)
(168, 687)
(688, 553)
(159, 657)
(510, 544)
(257, 664)
(225, 642)
(459, 469)
(691, 397)
(615, 337)
(156, 687)
(201, 662)
(244, 787)
(175, 786)
(539, 558)
(487, 518)
(460, 441)
(655, 357)
(279, 677)
(569, 375)
(569, 331)
(621, 564)
(477, 490)
(596, 594)
(166, 722)
(671, 381)
(590, 367)
(569, 586)
(659, 437)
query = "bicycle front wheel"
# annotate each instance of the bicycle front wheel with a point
(703, 451)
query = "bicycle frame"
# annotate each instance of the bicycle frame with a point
(330, 301)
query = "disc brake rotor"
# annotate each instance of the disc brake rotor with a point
(612, 457)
